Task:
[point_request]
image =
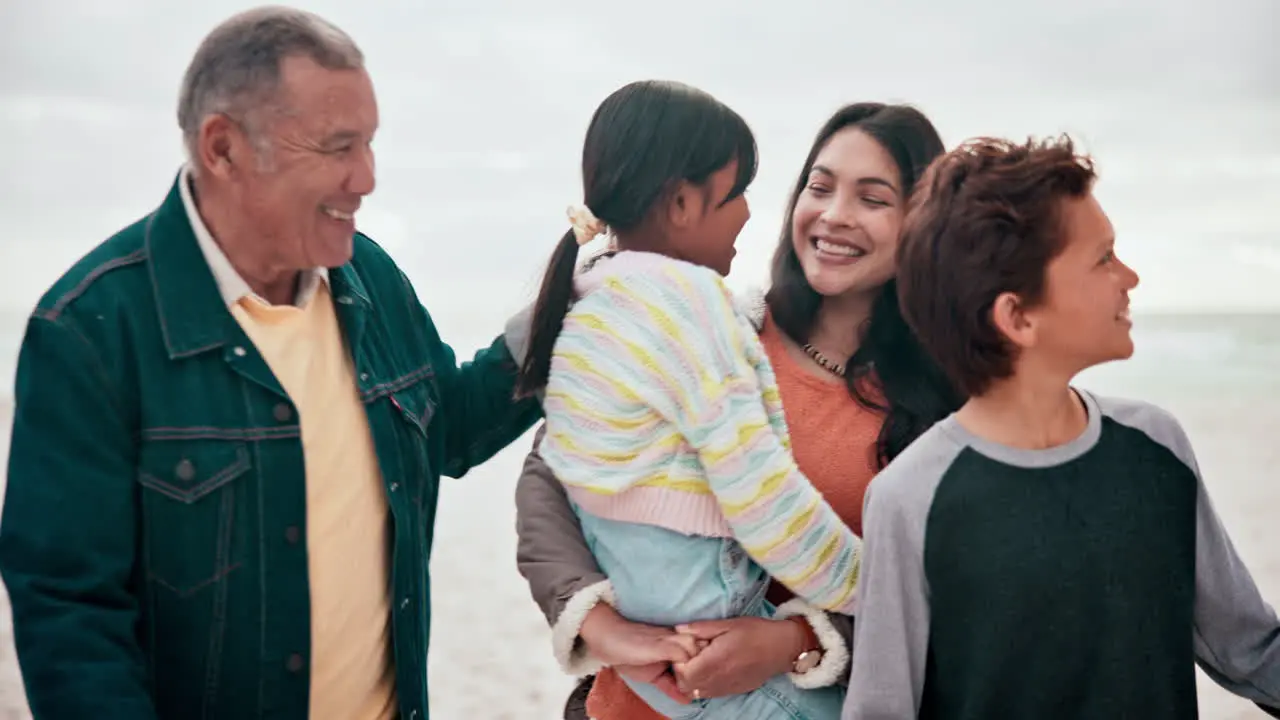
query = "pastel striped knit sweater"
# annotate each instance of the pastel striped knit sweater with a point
(662, 408)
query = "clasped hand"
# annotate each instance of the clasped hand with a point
(715, 657)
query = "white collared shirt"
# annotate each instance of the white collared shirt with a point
(230, 283)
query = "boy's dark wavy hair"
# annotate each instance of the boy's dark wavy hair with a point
(986, 220)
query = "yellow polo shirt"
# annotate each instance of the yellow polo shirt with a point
(348, 523)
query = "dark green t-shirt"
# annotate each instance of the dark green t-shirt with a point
(1080, 581)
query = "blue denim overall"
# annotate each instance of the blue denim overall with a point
(666, 578)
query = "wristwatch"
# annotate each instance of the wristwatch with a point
(807, 661)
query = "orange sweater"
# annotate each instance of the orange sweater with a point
(833, 438)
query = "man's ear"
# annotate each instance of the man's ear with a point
(1009, 315)
(215, 143)
(223, 147)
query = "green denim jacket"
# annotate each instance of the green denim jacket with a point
(153, 535)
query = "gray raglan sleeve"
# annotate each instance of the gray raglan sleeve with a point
(1236, 633)
(891, 634)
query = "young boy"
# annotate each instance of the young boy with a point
(1044, 552)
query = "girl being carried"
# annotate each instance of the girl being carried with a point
(663, 416)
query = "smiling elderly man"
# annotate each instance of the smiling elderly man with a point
(231, 421)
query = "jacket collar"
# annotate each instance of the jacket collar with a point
(193, 312)
(230, 283)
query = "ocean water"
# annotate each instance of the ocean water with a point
(1227, 357)
(1232, 358)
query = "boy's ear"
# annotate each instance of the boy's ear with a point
(1009, 315)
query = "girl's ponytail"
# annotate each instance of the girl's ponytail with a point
(548, 316)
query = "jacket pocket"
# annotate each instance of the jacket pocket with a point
(413, 408)
(189, 510)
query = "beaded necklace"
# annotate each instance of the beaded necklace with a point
(831, 367)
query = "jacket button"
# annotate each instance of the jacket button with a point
(295, 663)
(291, 534)
(185, 470)
(282, 412)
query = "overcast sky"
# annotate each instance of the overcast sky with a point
(484, 105)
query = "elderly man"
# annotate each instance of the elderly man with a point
(231, 421)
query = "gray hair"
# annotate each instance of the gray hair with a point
(236, 69)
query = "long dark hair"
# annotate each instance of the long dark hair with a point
(915, 391)
(643, 140)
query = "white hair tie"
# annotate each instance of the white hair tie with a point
(586, 226)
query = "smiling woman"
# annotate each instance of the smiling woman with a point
(852, 193)
(849, 244)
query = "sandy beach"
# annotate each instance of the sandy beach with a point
(491, 653)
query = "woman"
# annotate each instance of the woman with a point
(829, 322)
